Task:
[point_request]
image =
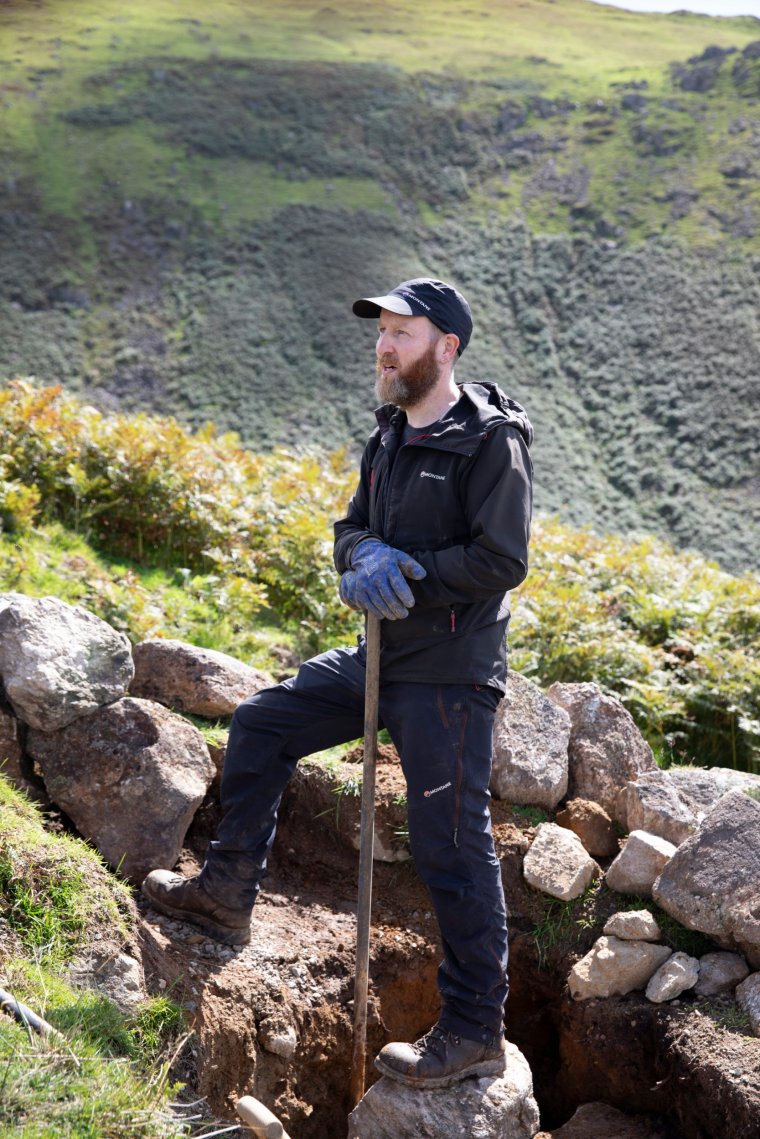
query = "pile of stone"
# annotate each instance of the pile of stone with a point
(89, 727)
(689, 839)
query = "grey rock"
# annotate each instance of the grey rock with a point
(678, 974)
(531, 734)
(600, 1121)
(606, 750)
(558, 864)
(712, 882)
(748, 998)
(652, 803)
(614, 967)
(487, 1107)
(59, 662)
(593, 826)
(639, 864)
(192, 679)
(720, 973)
(702, 787)
(130, 777)
(116, 975)
(633, 925)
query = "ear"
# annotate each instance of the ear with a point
(449, 344)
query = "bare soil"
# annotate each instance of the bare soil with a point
(274, 1019)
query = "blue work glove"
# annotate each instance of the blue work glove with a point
(376, 581)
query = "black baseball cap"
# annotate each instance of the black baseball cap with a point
(424, 296)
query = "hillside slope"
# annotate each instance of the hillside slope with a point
(188, 204)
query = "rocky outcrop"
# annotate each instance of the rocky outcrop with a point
(192, 679)
(712, 882)
(502, 1106)
(606, 748)
(130, 777)
(531, 734)
(59, 662)
(558, 864)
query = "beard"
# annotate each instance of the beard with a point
(408, 388)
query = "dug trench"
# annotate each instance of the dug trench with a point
(274, 1019)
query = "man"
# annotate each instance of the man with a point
(434, 537)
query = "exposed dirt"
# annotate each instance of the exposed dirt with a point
(274, 1019)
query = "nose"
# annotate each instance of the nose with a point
(382, 345)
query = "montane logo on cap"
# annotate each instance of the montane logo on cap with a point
(415, 298)
(430, 475)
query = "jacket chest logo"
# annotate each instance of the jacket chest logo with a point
(430, 475)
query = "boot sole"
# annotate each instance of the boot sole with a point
(228, 935)
(482, 1068)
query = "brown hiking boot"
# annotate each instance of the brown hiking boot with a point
(185, 898)
(441, 1058)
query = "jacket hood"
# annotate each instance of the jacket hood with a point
(493, 405)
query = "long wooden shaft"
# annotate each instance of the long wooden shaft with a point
(366, 847)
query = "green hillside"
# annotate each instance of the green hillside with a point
(191, 195)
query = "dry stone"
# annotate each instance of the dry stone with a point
(653, 804)
(477, 1108)
(720, 973)
(558, 864)
(593, 826)
(614, 967)
(748, 998)
(712, 882)
(600, 1121)
(679, 973)
(192, 679)
(130, 776)
(634, 925)
(59, 662)
(639, 863)
(531, 735)
(607, 750)
(118, 976)
(701, 787)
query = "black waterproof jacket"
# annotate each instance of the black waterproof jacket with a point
(458, 499)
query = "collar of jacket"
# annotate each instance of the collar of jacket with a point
(483, 405)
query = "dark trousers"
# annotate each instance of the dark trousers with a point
(443, 734)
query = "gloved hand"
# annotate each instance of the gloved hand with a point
(376, 581)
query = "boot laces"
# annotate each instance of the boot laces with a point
(435, 1041)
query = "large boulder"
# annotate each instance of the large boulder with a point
(59, 662)
(653, 803)
(712, 882)
(531, 734)
(606, 749)
(131, 777)
(192, 679)
(558, 864)
(491, 1106)
(613, 968)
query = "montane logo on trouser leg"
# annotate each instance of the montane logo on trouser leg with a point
(443, 787)
(430, 475)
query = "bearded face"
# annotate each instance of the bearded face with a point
(407, 385)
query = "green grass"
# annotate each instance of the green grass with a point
(102, 1073)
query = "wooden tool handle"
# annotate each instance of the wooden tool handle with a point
(259, 1118)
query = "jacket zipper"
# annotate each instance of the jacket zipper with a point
(453, 619)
